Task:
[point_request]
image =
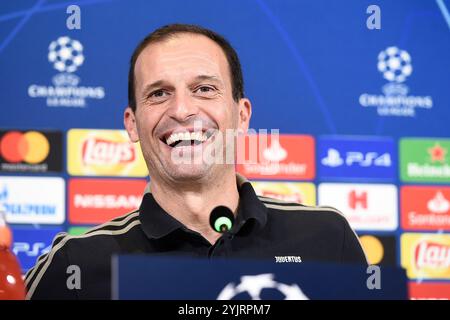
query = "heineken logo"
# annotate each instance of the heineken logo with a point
(437, 153)
(424, 160)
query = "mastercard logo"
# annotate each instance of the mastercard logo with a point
(30, 147)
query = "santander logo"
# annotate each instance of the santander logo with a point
(438, 204)
(275, 153)
(432, 255)
(105, 152)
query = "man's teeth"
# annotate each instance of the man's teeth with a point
(175, 138)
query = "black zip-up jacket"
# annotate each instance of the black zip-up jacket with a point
(265, 228)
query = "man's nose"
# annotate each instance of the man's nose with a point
(182, 107)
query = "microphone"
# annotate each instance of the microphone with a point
(221, 219)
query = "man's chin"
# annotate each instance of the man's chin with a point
(185, 173)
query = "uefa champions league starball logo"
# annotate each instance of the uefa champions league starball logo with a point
(65, 54)
(395, 64)
(258, 287)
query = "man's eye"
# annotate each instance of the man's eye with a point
(157, 94)
(205, 90)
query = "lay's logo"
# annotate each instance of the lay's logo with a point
(432, 255)
(426, 256)
(104, 153)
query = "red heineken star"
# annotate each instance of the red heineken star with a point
(437, 153)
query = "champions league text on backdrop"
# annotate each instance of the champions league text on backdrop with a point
(347, 152)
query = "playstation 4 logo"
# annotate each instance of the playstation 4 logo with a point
(356, 157)
(333, 159)
(30, 243)
(31, 249)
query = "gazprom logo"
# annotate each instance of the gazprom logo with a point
(24, 208)
(4, 194)
(31, 200)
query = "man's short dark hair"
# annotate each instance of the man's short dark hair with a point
(165, 32)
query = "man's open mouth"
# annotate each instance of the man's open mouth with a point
(185, 138)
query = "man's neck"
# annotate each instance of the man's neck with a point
(192, 206)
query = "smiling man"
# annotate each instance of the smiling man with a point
(185, 93)
(183, 80)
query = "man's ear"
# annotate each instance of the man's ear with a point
(129, 120)
(245, 113)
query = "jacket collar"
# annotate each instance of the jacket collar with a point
(157, 223)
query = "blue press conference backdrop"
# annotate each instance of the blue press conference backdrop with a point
(305, 63)
(310, 67)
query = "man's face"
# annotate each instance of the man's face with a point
(183, 94)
